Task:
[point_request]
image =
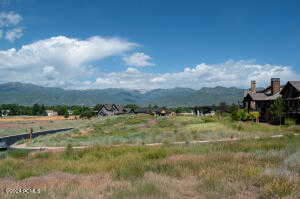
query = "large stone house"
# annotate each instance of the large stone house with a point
(261, 100)
(111, 109)
(291, 95)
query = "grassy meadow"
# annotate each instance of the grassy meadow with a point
(143, 129)
(250, 168)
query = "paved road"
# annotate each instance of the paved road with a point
(9, 140)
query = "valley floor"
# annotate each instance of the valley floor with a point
(252, 168)
(268, 167)
(145, 129)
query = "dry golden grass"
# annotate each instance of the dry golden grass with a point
(257, 168)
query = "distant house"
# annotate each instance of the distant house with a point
(4, 113)
(120, 109)
(70, 112)
(204, 110)
(111, 109)
(50, 113)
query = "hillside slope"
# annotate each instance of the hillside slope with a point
(28, 94)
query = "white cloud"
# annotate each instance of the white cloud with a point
(50, 72)
(138, 59)
(61, 50)
(67, 58)
(231, 73)
(14, 34)
(9, 19)
(67, 62)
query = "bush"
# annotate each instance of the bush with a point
(290, 122)
(243, 115)
(87, 114)
(254, 116)
(239, 115)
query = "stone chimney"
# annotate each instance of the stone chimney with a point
(275, 85)
(253, 87)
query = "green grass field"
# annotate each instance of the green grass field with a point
(143, 129)
(246, 168)
(250, 168)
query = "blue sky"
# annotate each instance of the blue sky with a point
(149, 44)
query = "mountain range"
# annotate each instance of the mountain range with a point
(29, 94)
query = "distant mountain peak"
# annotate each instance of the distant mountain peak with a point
(28, 94)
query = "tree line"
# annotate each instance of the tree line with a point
(39, 109)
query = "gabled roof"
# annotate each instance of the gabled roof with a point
(264, 96)
(258, 96)
(275, 96)
(108, 107)
(119, 107)
(295, 84)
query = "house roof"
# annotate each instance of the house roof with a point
(264, 96)
(295, 84)
(107, 107)
(258, 96)
(275, 96)
(119, 107)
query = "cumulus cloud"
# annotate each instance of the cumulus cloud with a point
(14, 34)
(9, 19)
(138, 59)
(69, 52)
(231, 73)
(70, 63)
(68, 59)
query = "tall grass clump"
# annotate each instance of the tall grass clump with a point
(144, 189)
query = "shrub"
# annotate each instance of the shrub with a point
(254, 116)
(239, 115)
(290, 122)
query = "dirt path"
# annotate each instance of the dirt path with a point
(23, 146)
